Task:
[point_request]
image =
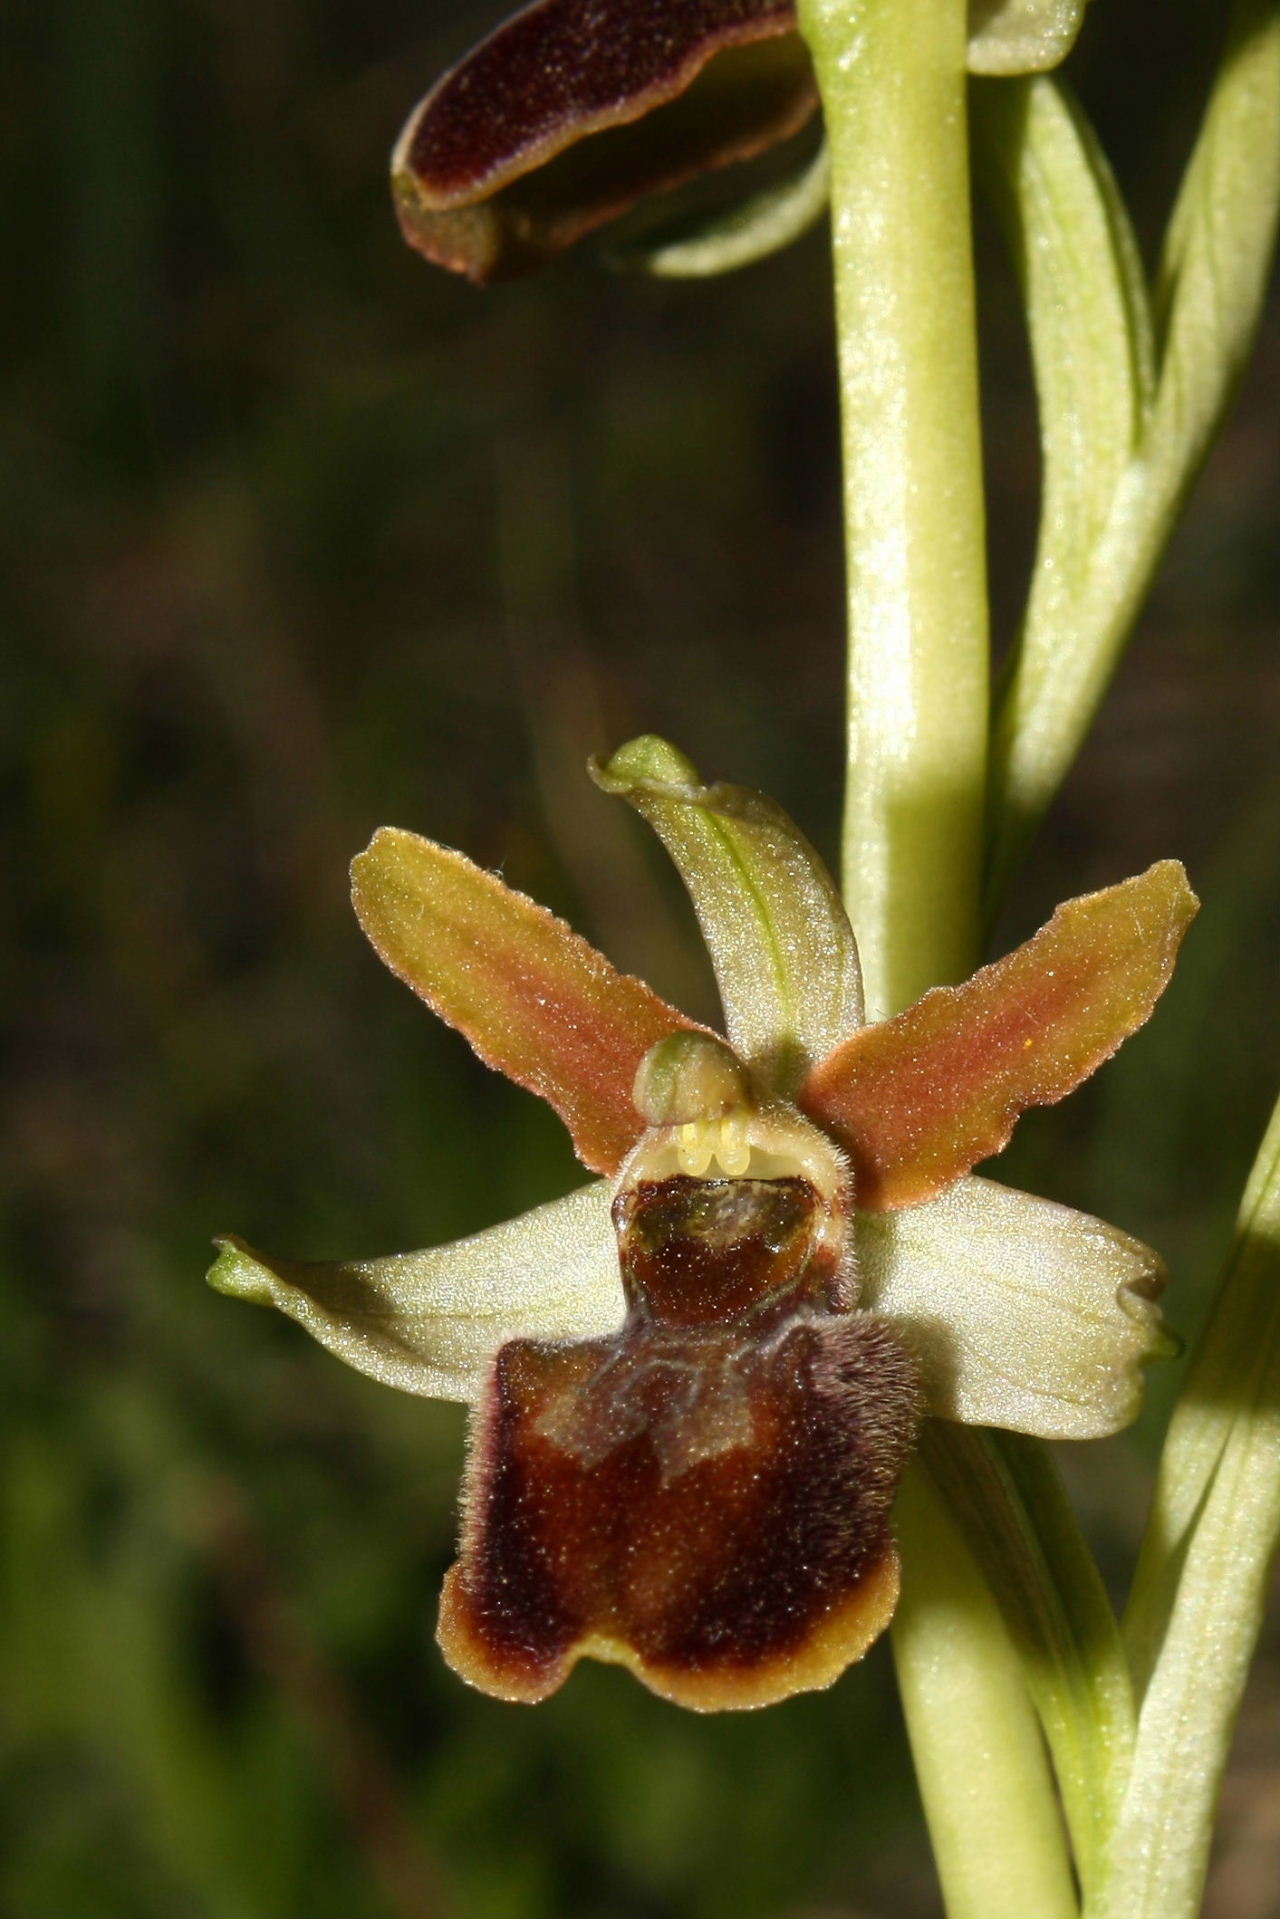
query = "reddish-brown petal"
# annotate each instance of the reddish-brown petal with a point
(532, 997)
(708, 1509)
(919, 1100)
(484, 179)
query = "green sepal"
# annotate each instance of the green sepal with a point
(1022, 36)
(700, 248)
(431, 1322)
(779, 938)
(1022, 1313)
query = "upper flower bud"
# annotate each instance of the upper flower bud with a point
(573, 111)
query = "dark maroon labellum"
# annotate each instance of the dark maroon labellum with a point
(705, 1496)
(561, 69)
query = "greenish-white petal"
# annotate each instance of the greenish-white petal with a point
(430, 1322)
(777, 932)
(1022, 36)
(1023, 1313)
(698, 249)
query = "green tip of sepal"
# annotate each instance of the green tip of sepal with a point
(1162, 1341)
(699, 246)
(1022, 36)
(647, 758)
(240, 1274)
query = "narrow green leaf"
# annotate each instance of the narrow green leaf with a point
(779, 939)
(1213, 276)
(1091, 342)
(738, 237)
(1202, 1579)
(1096, 560)
(1087, 308)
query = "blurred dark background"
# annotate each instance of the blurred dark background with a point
(300, 536)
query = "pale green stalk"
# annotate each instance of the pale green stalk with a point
(1129, 400)
(892, 75)
(1202, 1580)
(979, 1758)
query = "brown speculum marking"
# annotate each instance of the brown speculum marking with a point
(703, 1496)
(709, 1250)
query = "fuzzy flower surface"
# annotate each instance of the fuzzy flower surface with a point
(696, 1381)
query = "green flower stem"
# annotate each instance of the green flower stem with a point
(1202, 1579)
(892, 76)
(997, 1835)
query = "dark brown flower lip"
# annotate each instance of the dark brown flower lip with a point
(725, 1568)
(558, 71)
(697, 1496)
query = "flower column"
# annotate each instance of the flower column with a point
(893, 82)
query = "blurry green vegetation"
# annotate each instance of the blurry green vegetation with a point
(297, 537)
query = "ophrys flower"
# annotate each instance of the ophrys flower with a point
(695, 1383)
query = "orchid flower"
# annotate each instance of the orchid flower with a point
(572, 111)
(695, 1382)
